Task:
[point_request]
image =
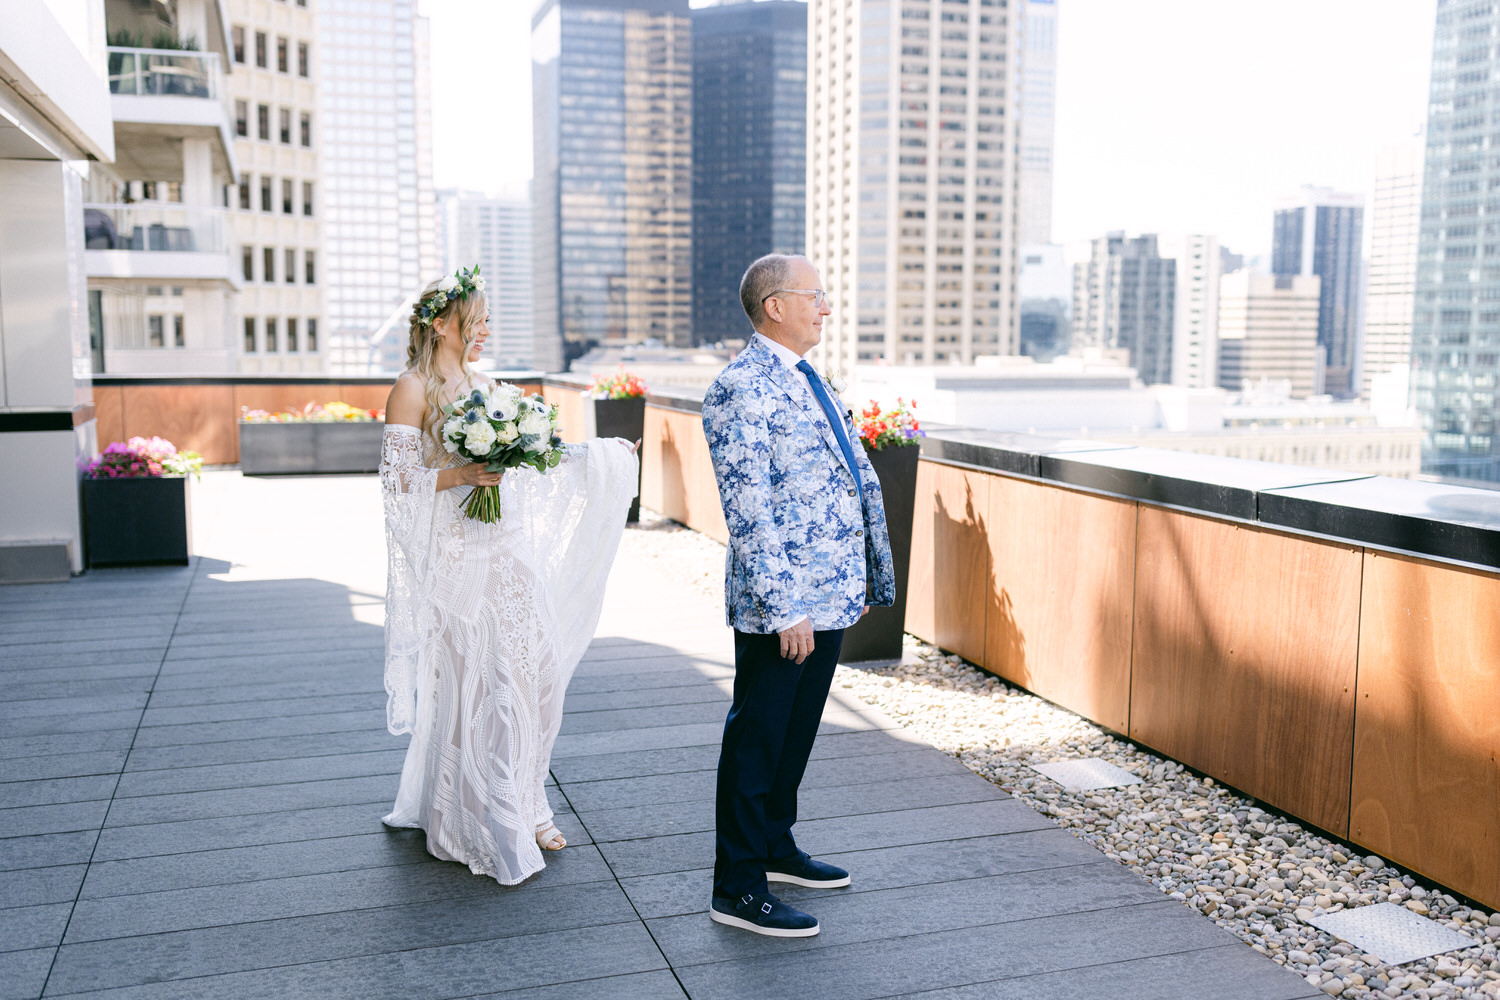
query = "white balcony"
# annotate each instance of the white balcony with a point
(157, 243)
(159, 98)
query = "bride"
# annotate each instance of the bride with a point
(484, 622)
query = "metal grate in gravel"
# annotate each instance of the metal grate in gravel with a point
(1392, 933)
(1084, 775)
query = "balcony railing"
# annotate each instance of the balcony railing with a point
(170, 228)
(163, 73)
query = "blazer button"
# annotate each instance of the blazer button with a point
(851, 491)
(860, 533)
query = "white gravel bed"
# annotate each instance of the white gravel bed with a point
(1257, 873)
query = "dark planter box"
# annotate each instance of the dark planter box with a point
(877, 636)
(309, 448)
(136, 522)
(621, 418)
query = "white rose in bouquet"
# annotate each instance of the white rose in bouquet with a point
(479, 438)
(536, 425)
(450, 432)
(506, 433)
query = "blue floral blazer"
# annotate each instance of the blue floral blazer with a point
(801, 543)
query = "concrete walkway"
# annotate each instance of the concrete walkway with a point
(193, 766)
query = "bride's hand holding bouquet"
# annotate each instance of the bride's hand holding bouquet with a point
(501, 428)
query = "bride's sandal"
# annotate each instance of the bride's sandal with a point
(550, 838)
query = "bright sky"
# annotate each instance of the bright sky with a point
(1172, 115)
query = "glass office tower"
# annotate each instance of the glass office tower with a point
(749, 151)
(1320, 231)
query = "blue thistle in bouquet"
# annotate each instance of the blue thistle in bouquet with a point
(504, 428)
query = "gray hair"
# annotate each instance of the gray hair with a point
(762, 278)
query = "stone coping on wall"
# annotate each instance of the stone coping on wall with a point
(311, 378)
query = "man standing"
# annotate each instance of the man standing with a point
(808, 554)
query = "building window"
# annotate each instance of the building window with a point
(312, 335)
(286, 126)
(260, 49)
(242, 119)
(307, 129)
(249, 334)
(177, 339)
(268, 266)
(309, 261)
(263, 122)
(304, 60)
(265, 195)
(283, 58)
(245, 193)
(291, 336)
(154, 331)
(247, 263)
(270, 335)
(237, 37)
(307, 198)
(286, 196)
(290, 271)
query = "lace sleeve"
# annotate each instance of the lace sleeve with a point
(409, 491)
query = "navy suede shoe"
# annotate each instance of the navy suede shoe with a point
(762, 915)
(803, 870)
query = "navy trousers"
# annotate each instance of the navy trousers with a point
(767, 738)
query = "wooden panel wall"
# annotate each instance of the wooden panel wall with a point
(678, 478)
(109, 414)
(1426, 785)
(569, 403)
(193, 417)
(1244, 658)
(1059, 617)
(950, 578)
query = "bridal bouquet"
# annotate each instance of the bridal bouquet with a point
(503, 428)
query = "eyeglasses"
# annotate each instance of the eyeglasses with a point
(819, 296)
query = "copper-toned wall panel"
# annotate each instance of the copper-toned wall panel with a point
(278, 398)
(1244, 658)
(1426, 788)
(678, 480)
(366, 397)
(201, 418)
(109, 414)
(950, 559)
(569, 403)
(1059, 616)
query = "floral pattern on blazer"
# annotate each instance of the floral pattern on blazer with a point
(801, 545)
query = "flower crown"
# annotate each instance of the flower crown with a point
(457, 285)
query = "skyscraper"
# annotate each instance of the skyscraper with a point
(1319, 231)
(1268, 330)
(1038, 86)
(1395, 218)
(375, 105)
(749, 150)
(1456, 320)
(612, 181)
(1195, 309)
(912, 177)
(275, 212)
(495, 233)
(1123, 297)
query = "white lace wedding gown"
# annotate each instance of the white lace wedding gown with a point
(484, 625)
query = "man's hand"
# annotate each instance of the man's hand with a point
(797, 641)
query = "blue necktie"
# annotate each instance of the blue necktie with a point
(835, 420)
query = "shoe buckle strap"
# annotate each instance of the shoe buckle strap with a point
(765, 908)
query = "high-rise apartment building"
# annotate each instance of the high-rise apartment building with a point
(1123, 297)
(612, 180)
(1395, 219)
(1456, 318)
(1195, 309)
(1268, 330)
(1319, 231)
(160, 260)
(1038, 90)
(275, 211)
(377, 212)
(493, 232)
(913, 112)
(749, 151)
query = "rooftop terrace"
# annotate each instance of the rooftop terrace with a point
(195, 765)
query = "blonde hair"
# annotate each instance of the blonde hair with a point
(421, 349)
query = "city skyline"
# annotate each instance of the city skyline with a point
(1155, 130)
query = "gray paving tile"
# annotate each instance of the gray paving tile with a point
(155, 958)
(276, 725)
(59, 723)
(306, 648)
(143, 668)
(619, 721)
(53, 791)
(207, 669)
(170, 807)
(1229, 970)
(431, 973)
(273, 772)
(35, 886)
(76, 690)
(27, 821)
(634, 986)
(651, 738)
(18, 713)
(46, 850)
(155, 839)
(265, 689)
(695, 692)
(268, 748)
(622, 681)
(97, 741)
(260, 708)
(63, 765)
(22, 973)
(25, 927)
